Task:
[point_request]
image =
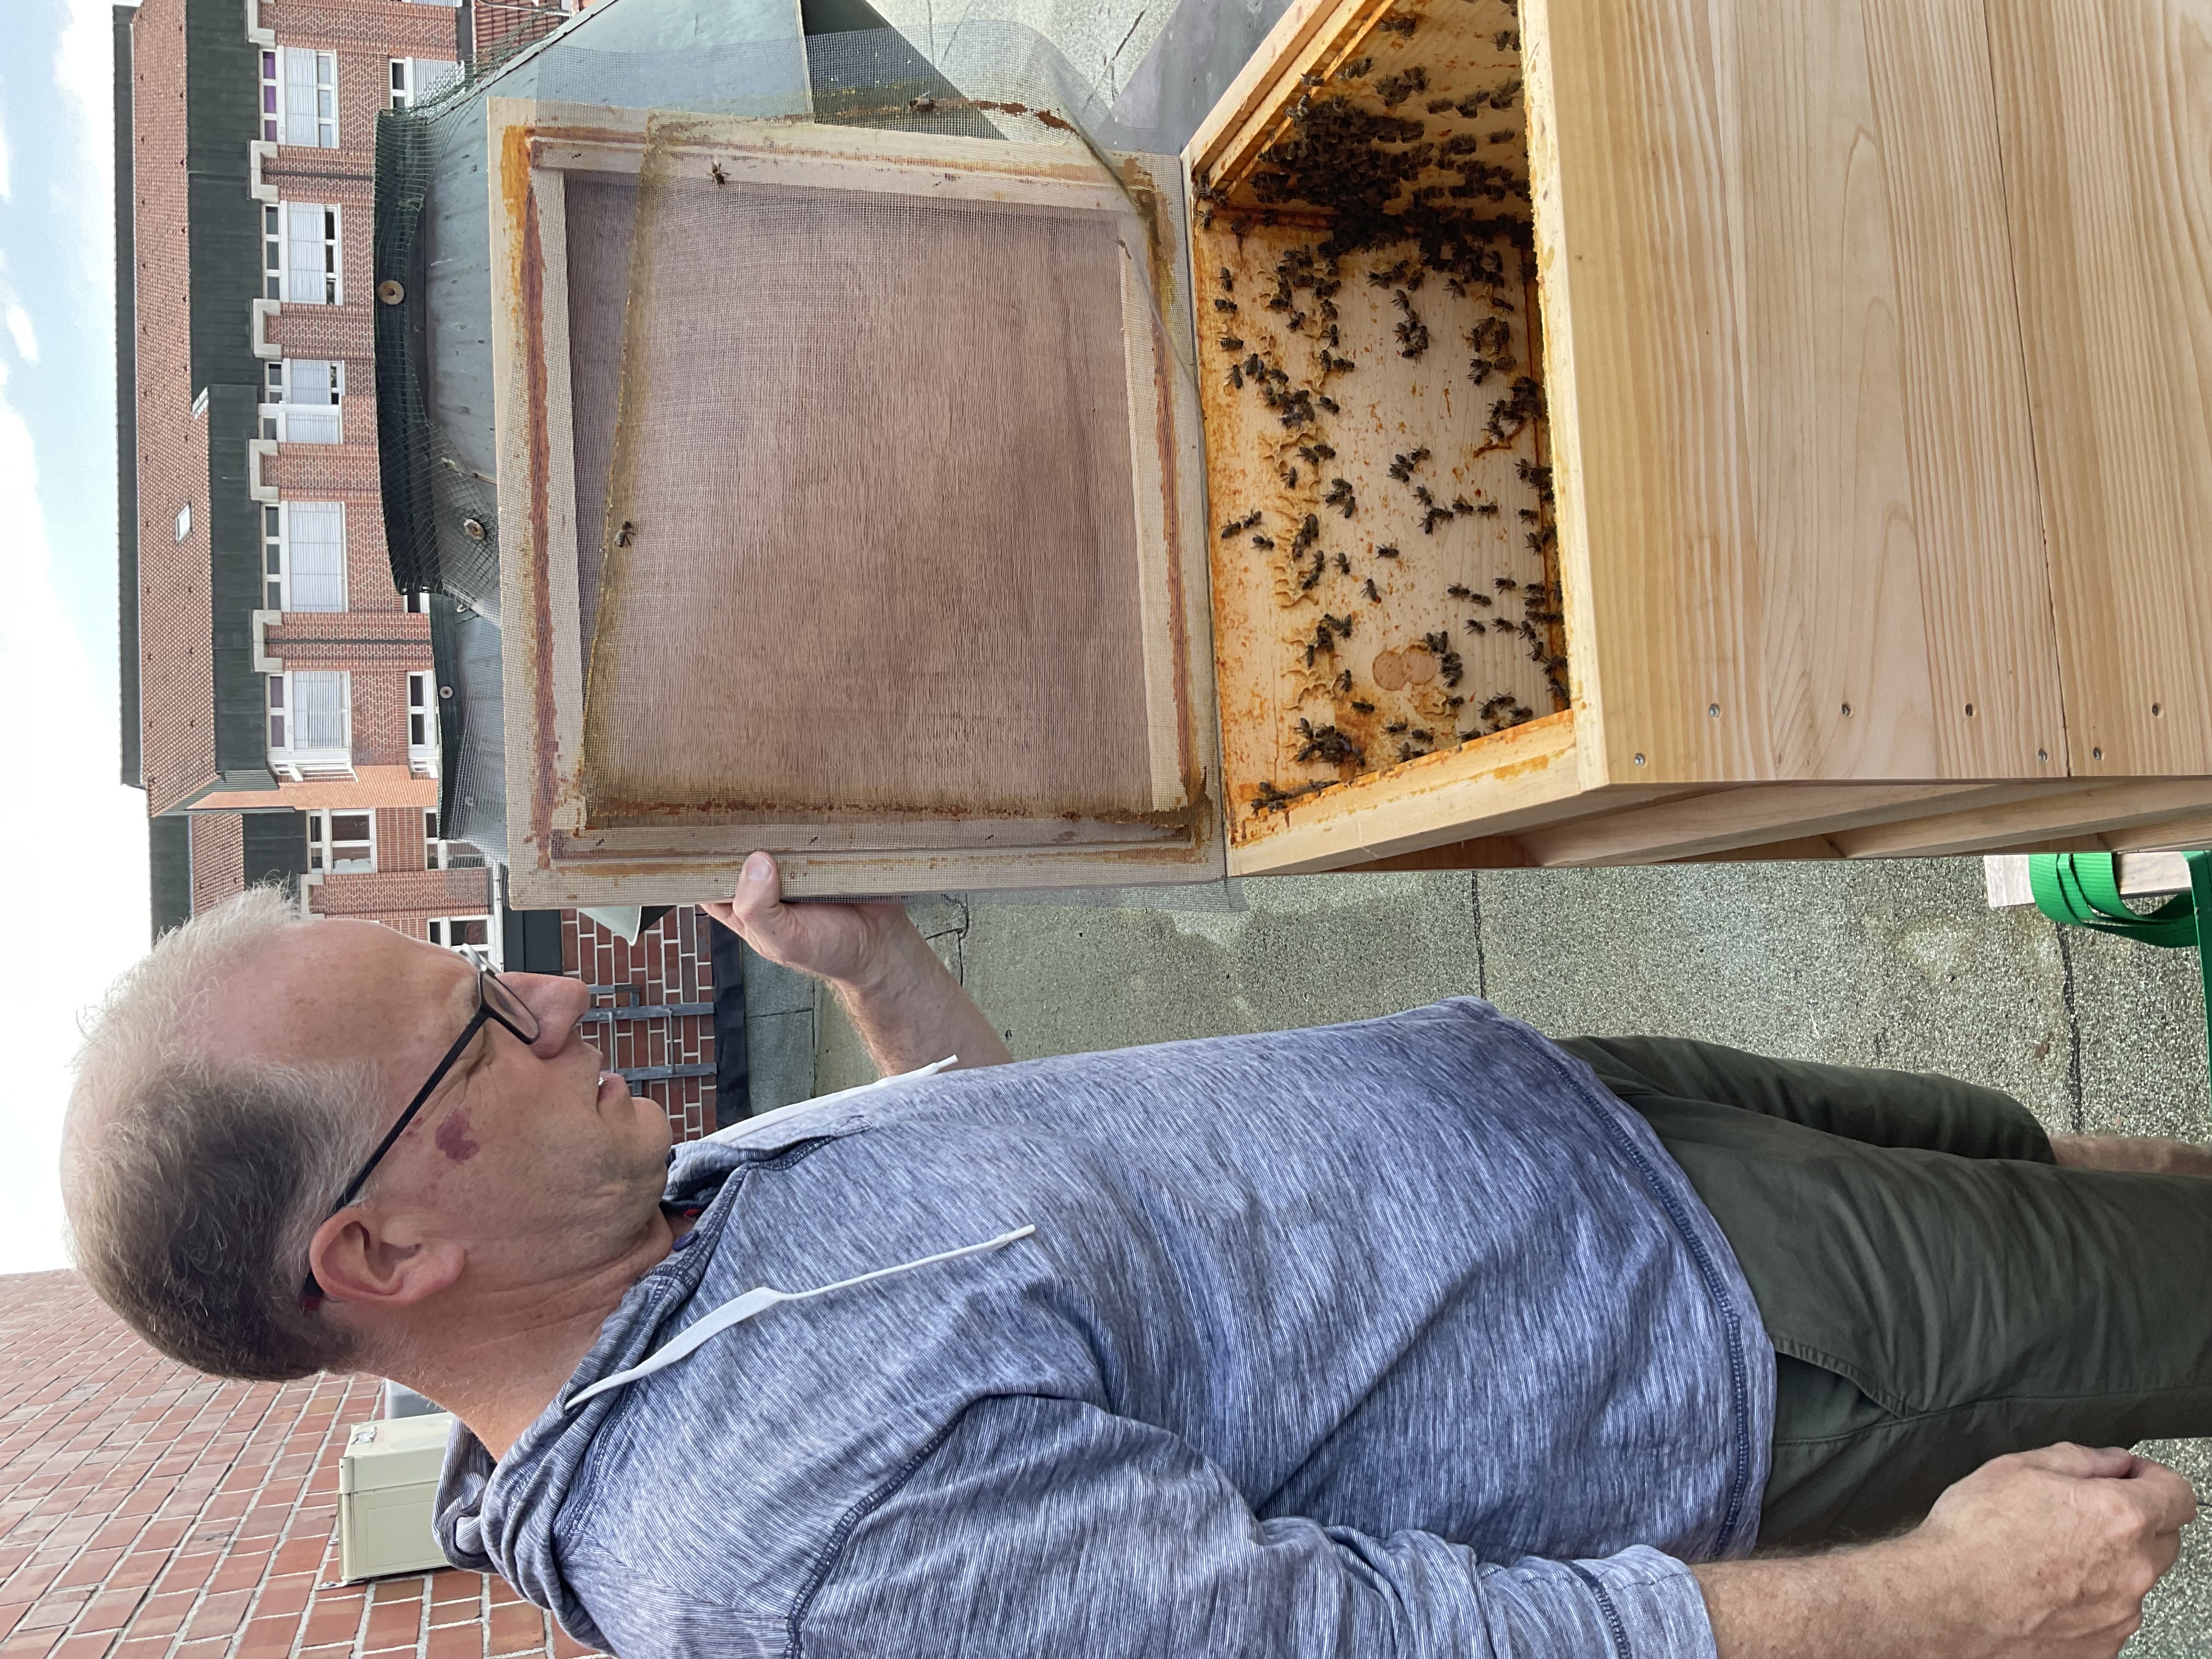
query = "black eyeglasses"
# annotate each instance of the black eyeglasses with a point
(495, 1005)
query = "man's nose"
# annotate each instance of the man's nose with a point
(559, 1002)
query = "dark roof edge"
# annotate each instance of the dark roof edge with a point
(234, 582)
(169, 870)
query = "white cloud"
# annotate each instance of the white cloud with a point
(81, 170)
(81, 919)
(19, 331)
(84, 68)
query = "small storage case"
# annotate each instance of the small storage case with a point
(387, 1491)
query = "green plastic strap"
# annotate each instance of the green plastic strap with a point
(2083, 890)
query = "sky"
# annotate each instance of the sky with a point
(72, 839)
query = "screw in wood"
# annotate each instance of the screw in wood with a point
(1970, 711)
(1847, 711)
(2096, 754)
(2044, 756)
(2157, 709)
(1639, 760)
(1714, 709)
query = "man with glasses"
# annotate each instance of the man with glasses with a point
(1419, 1336)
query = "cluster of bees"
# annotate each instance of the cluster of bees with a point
(1401, 209)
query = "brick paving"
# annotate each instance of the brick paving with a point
(147, 1512)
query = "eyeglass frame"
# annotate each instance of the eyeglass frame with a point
(311, 1294)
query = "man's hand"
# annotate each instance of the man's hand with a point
(2057, 1548)
(2040, 1555)
(846, 943)
(905, 1004)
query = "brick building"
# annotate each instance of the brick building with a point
(286, 720)
(281, 696)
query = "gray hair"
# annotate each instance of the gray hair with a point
(193, 1183)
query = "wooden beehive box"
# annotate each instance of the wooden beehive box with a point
(1628, 433)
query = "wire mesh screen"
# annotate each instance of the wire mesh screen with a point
(859, 488)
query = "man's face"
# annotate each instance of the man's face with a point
(531, 1156)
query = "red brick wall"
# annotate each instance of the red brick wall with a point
(505, 25)
(147, 1511)
(393, 896)
(218, 843)
(380, 716)
(399, 838)
(366, 34)
(334, 472)
(176, 679)
(342, 332)
(672, 962)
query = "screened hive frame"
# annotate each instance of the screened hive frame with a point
(572, 844)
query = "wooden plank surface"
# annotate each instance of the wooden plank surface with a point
(1799, 478)
(2104, 107)
(1525, 776)
(2089, 810)
(1750, 816)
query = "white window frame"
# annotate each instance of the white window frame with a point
(437, 852)
(323, 79)
(277, 219)
(287, 758)
(487, 955)
(322, 849)
(295, 409)
(276, 559)
(272, 118)
(183, 521)
(407, 77)
(422, 725)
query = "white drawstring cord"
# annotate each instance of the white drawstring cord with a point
(760, 1298)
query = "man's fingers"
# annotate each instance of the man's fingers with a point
(755, 906)
(2081, 1462)
(2168, 1500)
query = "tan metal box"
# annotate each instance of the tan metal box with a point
(387, 1486)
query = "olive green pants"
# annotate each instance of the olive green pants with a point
(1938, 1290)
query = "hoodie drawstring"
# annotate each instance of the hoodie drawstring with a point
(761, 1297)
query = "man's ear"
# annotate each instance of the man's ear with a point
(358, 1256)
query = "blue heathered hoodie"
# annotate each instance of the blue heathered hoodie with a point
(1400, 1337)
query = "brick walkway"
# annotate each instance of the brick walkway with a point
(147, 1512)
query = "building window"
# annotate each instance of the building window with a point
(299, 404)
(308, 97)
(300, 253)
(418, 600)
(421, 725)
(467, 934)
(418, 79)
(184, 520)
(311, 725)
(268, 117)
(303, 556)
(341, 843)
(437, 852)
